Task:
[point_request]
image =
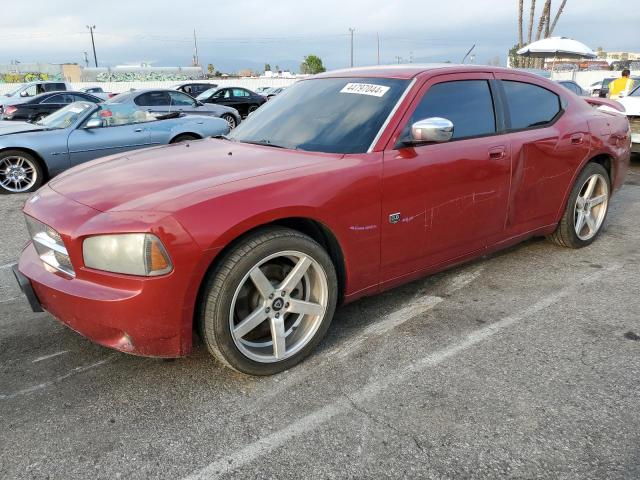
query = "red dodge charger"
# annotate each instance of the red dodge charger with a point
(347, 184)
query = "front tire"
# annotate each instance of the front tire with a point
(586, 209)
(20, 172)
(269, 302)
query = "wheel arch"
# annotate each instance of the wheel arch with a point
(313, 228)
(603, 159)
(193, 134)
(37, 157)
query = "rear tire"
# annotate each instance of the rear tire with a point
(586, 209)
(268, 302)
(230, 119)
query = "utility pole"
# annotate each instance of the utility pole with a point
(378, 39)
(398, 58)
(352, 30)
(410, 57)
(196, 60)
(86, 59)
(93, 43)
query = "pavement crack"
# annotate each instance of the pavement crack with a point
(383, 422)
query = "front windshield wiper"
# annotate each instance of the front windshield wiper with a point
(263, 142)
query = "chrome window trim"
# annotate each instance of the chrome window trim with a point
(391, 114)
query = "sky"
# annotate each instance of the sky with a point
(249, 33)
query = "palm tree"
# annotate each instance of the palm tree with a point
(532, 14)
(555, 20)
(520, 9)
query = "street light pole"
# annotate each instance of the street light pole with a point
(352, 30)
(93, 44)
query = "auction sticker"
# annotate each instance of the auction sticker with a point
(365, 89)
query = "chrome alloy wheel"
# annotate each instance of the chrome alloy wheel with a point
(591, 207)
(278, 306)
(230, 120)
(17, 173)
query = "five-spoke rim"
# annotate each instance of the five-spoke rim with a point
(591, 207)
(17, 173)
(278, 306)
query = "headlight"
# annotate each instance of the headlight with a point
(49, 246)
(128, 253)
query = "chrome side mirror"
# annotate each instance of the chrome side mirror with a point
(433, 129)
(93, 123)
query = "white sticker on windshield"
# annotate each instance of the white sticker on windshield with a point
(365, 89)
(76, 109)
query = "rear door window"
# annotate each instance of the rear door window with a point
(152, 99)
(468, 104)
(529, 105)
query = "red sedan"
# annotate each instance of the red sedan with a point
(347, 184)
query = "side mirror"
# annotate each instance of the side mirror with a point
(433, 129)
(93, 123)
(24, 93)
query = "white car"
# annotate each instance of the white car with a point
(631, 104)
(98, 92)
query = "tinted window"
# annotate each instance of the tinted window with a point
(238, 92)
(76, 97)
(466, 103)
(61, 98)
(530, 105)
(333, 115)
(53, 87)
(152, 99)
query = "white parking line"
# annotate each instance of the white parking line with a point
(47, 357)
(75, 371)
(316, 419)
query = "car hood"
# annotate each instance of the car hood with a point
(152, 179)
(10, 127)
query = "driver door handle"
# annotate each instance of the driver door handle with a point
(138, 130)
(497, 153)
(577, 139)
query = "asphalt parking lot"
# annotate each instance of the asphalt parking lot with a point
(525, 364)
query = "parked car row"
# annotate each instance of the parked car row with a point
(351, 183)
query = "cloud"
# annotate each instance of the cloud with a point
(255, 32)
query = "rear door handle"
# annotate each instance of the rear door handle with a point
(497, 153)
(138, 130)
(577, 139)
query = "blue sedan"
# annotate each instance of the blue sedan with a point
(31, 153)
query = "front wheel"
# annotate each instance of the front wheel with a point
(586, 208)
(19, 172)
(231, 120)
(268, 302)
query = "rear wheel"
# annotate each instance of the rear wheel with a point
(185, 137)
(269, 302)
(20, 172)
(231, 120)
(586, 208)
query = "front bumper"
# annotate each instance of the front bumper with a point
(139, 316)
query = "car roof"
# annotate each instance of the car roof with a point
(411, 70)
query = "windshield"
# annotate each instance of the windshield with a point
(67, 116)
(330, 115)
(635, 92)
(206, 94)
